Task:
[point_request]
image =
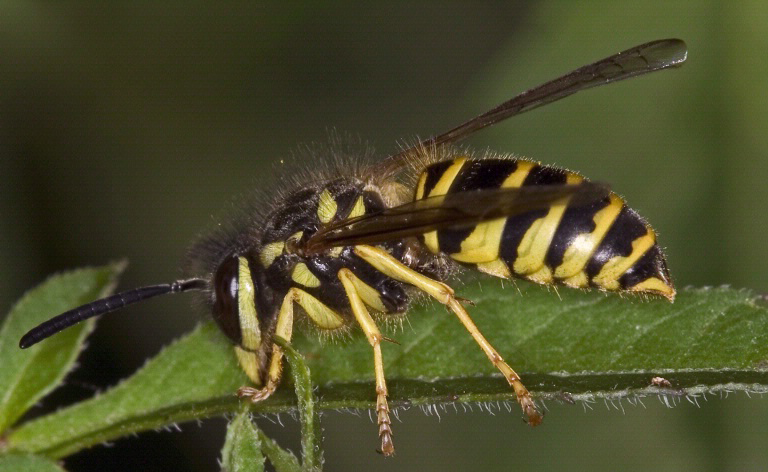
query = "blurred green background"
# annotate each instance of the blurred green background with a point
(125, 129)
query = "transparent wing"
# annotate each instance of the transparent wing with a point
(456, 210)
(639, 60)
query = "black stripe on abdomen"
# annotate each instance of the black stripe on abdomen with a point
(518, 225)
(483, 174)
(627, 227)
(545, 175)
(475, 175)
(514, 230)
(434, 172)
(651, 264)
(576, 220)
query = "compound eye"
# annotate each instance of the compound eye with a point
(226, 311)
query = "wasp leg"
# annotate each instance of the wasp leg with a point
(284, 329)
(249, 362)
(371, 331)
(441, 292)
(319, 313)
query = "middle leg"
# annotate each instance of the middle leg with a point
(349, 280)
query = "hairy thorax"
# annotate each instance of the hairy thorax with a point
(285, 263)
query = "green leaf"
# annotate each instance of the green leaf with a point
(245, 442)
(311, 434)
(27, 463)
(28, 375)
(282, 460)
(193, 378)
(573, 346)
(242, 447)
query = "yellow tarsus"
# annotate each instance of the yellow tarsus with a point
(374, 338)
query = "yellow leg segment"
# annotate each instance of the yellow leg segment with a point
(441, 292)
(284, 329)
(371, 331)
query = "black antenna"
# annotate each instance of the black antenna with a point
(105, 305)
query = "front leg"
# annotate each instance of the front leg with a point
(249, 360)
(320, 314)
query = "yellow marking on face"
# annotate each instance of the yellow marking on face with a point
(303, 276)
(358, 209)
(580, 280)
(497, 268)
(368, 294)
(608, 278)
(534, 246)
(335, 251)
(655, 285)
(249, 362)
(441, 188)
(420, 186)
(326, 207)
(482, 244)
(270, 252)
(578, 253)
(246, 304)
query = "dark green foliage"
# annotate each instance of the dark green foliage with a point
(570, 346)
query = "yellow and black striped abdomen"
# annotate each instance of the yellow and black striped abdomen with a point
(603, 244)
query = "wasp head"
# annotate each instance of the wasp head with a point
(234, 308)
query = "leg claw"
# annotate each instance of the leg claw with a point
(255, 395)
(387, 447)
(531, 411)
(466, 301)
